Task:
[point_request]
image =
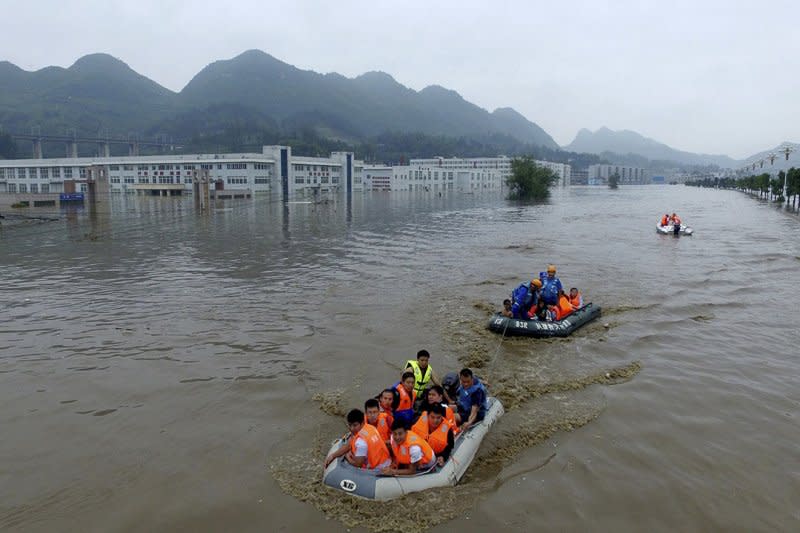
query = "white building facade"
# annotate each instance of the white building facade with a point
(274, 171)
(599, 174)
(490, 165)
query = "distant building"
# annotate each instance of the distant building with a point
(579, 177)
(378, 178)
(274, 171)
(599, 174)
(495, 165)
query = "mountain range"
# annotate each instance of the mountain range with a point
(99, 92)
(625, 142)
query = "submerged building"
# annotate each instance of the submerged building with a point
(274, 171)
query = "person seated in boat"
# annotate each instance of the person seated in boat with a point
(575, 298)
(411, 452)
(388, 400)
(675, 220)
(423, 374)
(435, 396)
(471, 399)
(665, 220)
(539, 312)
(564, 307)
(365, 449)
(440, 434)
(404, 411)
(378, 419)
(507, 312)
(524, 297)
(550, 286)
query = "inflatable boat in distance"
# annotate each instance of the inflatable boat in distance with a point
(515, 327)
(341, 475)
(670, 230)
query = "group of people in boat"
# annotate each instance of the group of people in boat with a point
(411, 427)
(670, 220)
(542, 298)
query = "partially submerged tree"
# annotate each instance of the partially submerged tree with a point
(529, 181)
(613, 181)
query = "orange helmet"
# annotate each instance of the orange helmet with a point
(536, 283)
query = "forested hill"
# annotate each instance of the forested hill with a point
(100, 93)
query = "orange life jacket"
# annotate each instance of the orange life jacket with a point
(389, 418)
(406, 400)
(402, 454)
(438, 437)
(376, 447)
(563, 308)
(383, 426)
(665, 220)
(575, 302)
(420, 427)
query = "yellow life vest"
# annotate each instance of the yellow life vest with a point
(420, 381)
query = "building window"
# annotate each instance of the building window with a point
(129, 179)
(113, 167)
(236, 166)
(188, 167)
(144, 180)
(12, 187)
(261, 180)
(127, 167)
(68, 172)
(142, 167)
(34, 188)
(83, 187)
(56, 172)
(43, 172)
(82, 173)
(299, 180)
(261, 166)
(21, 173)
(23, 188)
(114, 180)
(207, 167)
(2, 173)
(237, 181)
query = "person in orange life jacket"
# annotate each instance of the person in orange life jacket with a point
(471, 399)
(404, 411)
(435, 396)
(675, 219)
(575, 298)
(564, 306)
(365, 448)
(440, 434)
(377, 419)
(410, 451)
(665, 220)
(507, 312)
(389, 400)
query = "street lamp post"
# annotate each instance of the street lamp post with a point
(786, 150)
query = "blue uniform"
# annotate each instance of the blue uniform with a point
(475, 395)
(550, 288)
(522, 299)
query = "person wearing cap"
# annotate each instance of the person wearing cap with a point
(525, 297)
(551, 285)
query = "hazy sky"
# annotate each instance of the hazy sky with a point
(704, 76)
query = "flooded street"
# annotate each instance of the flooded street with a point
(162, 369)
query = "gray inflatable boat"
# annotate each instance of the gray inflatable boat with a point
(539, 328)
(341, 475)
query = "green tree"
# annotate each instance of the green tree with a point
(613, 181)
(529, 181)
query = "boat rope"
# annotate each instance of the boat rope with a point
(497, 350)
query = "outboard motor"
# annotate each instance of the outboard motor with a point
(676, 229)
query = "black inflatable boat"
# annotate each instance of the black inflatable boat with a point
(538, 328)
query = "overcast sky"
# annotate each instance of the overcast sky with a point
(703, 76)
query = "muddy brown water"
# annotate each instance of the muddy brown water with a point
(162, 369)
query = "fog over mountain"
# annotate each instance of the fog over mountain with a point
(629, 142)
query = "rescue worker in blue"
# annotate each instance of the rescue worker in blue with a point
(471, 399)
(525, 297)
(551, 285)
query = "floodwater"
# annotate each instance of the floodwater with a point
(163, 369)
